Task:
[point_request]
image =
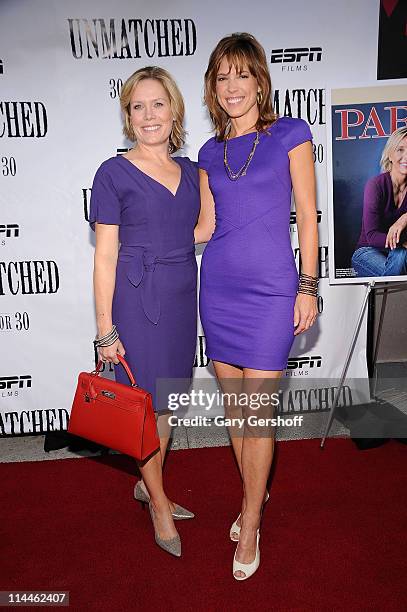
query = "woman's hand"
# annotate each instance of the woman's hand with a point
(305, 312)
(393, 235)
(109, 353)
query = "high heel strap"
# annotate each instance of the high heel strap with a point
(235, 527)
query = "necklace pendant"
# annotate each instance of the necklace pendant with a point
(242, 172)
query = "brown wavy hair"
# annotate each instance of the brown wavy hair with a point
(177, 136)
(239, 49)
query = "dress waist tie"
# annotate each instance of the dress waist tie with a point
(142, 264)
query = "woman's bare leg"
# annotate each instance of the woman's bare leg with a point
(164, 430)
(257, 456)
(230, 379)
(151, 472)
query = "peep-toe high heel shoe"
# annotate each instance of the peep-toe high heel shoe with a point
(173, 545)
(179, 513)
(247, 568)
(235, 529)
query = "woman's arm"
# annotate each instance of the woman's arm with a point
(104, 278)
(372, 215)
(303, 181)
(206, 221)
(396, 233)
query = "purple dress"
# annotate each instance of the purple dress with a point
(154, 304)
(249, 279)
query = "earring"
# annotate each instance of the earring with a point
(170, 141)
(259, 97)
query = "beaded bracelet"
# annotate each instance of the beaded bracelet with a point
(308, 284)
(108, 339)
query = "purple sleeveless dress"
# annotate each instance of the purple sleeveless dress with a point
(249, 279)
(154, 304)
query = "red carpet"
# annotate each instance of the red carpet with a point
(333, 536)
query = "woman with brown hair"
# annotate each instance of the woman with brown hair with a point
(252, 303)
(147, 202)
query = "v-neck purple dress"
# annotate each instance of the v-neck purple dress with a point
(249, 280)
(154, 304)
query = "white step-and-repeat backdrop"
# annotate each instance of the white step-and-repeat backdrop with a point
(61, 68)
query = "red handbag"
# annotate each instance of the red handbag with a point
(118, 416)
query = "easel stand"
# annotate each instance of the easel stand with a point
(369, 286)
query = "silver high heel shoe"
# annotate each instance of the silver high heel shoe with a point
(235, 529)
(179, 513)
(173, 545)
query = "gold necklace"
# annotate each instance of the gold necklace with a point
(242, 172)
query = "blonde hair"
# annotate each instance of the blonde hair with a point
(177, 136)
(390, 146)
(239, 49)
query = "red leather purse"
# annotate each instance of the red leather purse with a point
(118, 416)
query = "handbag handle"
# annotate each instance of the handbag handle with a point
(124, 364)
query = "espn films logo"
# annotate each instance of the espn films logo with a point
(9, 230)
(296, 55)
(10, 385)
(299, 366)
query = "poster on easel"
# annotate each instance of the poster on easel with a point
(368, 186)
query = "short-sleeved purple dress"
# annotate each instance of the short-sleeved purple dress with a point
(249, 279)
(154, 304)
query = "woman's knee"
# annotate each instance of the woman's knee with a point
(397, 261)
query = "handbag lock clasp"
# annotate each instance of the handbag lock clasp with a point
(109, 394)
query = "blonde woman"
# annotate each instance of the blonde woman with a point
(382, 246)
(144, 207)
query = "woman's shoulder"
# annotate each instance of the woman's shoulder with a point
(291, 131)
(185, 161)
(206, 153)
(383, 178)
(108, 166)
(190, 166)
(379, 181)
(283, 125)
